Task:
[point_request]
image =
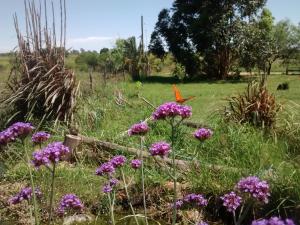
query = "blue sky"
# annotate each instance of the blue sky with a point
(93, 24)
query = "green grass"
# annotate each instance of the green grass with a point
(240, 150)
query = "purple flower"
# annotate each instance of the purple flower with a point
(231, 201)
(24, 194)
(203, 134)
(202, 223)
(260, 222)
(178, 204)
(6, 136)
(40, 159)
(56, 151)
(172, 109)
(113, 182)
(105, 168)
(21, 129)
(136, 163)
(17, 130)
(197, 199)
(253, 185)
(160, 148)
(106, 188)
(289, 222)
(138, 129)
(69, 202)
(273, 221)
(40, 137)
(53, 153)
(118, 161)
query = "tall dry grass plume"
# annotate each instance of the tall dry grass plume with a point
(40, 85)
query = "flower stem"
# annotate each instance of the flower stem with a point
(143, 181)
(111, 209)
(51, 195)
(174, 174)
(234, 218)
(36, 214)
(128, 197)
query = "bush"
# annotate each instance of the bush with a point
(179, 71)
(255, 106)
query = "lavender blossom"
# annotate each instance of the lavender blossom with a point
(106, 188)
(138, 129)
(118, 161)
(178, 204)
(273, 221)
(231, 201)
(105, 168)
(202, 223)
(40, 137)
(53, 153)
(69, 202)
(24, 194)
(6, 136)
(202, 134)
(160, 148)
(172, 109)
(17, 130)
(113, 182)
(253, 185)
(197, 199)
(21, 129)
(136, 163)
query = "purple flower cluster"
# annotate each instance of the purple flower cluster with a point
(69, 202)
(40, 137)
(118, 161)
(136, 163)
(17, 130)
(202, 223)
(258, 189)
(178, 204)
(160, 148)
(53, 153)
(231, 201)
(138, 129)
(106, 168)
(24, 194)
(202, 134)
(172, 109)
(197, 199)
(273, 221)
(106, 188)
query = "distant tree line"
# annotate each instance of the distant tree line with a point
(125, 57)
(215, 37)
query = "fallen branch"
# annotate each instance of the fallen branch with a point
(181, 164)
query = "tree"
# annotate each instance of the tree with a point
(264, 42)
(156, 45)
(207, 28)
(87, 60)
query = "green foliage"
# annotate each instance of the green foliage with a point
(210, 29)
(255, 106)
(179, 71)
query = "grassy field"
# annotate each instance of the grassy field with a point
(240, 149)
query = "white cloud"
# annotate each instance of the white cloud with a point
(91, 43)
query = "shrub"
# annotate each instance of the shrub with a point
(255, 106)
(40, 84)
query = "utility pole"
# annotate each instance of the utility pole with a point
(142, 35)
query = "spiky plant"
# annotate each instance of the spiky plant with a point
(40, 84)
(255, 106)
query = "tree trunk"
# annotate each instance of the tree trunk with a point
(269, 68)
(91, 78)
